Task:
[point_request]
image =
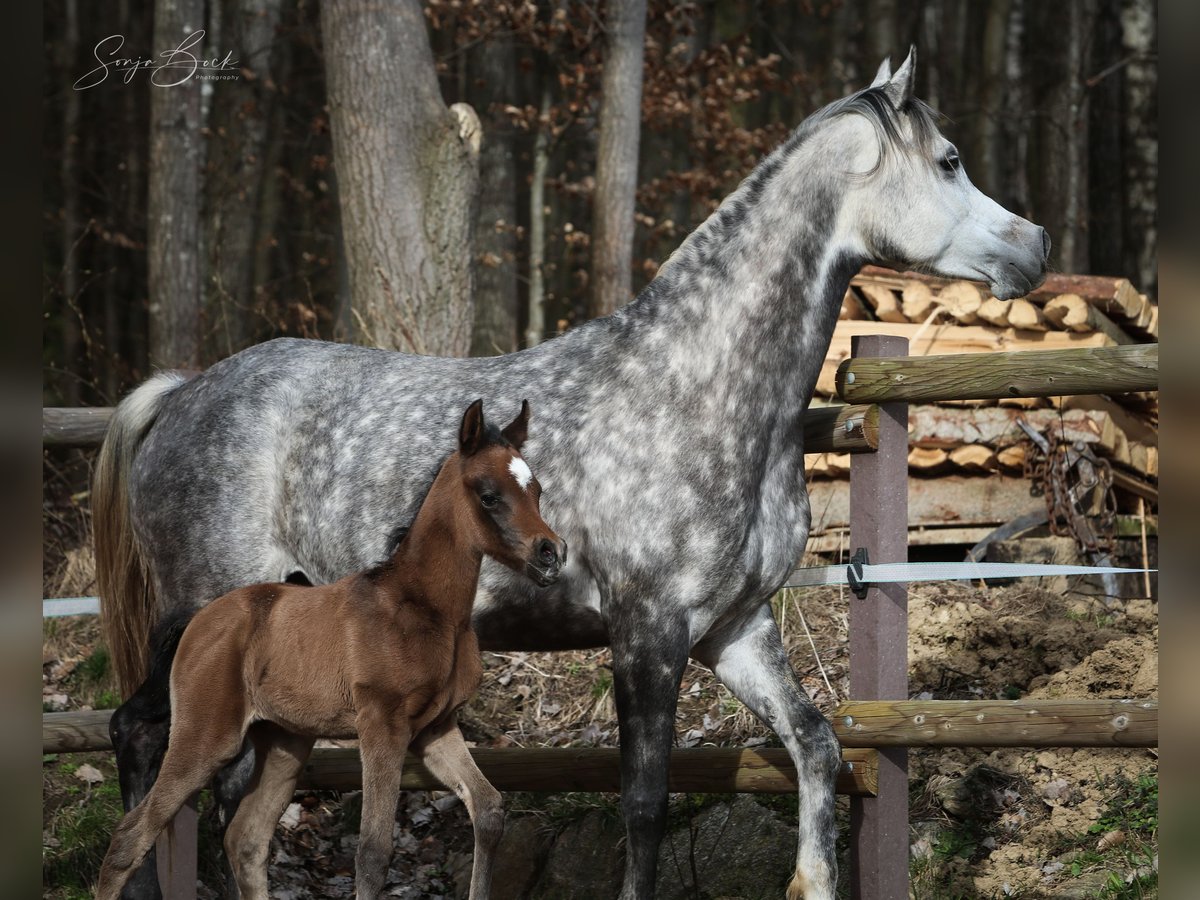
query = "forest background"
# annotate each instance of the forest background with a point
(461, 176)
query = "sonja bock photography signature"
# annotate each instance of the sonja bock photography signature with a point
(169, 69)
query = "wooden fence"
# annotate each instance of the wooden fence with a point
(878, 725)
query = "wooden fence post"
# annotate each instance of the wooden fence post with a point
(178, 855)
(879, 639)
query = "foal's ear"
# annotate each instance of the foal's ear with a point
(517, 430)
(470, 433)
(899, 87)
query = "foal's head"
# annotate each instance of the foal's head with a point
(500, 496)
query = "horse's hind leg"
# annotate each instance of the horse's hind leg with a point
(279, 757)
(750, 660)
(647, 666)
(446, 755)
(383, 740)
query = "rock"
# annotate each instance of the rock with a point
(1084, 887)
(519, 858)
(586, 861)
(738, 849)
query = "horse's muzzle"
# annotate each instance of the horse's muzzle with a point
(547, 562)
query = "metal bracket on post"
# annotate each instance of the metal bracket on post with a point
(854, 573)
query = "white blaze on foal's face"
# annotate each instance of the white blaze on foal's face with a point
(520, 471)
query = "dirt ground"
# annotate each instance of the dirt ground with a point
(1054, 823)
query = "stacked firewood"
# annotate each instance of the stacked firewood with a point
(973, 439)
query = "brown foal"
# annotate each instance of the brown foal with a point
(387, 655)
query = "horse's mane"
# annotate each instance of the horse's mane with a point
(876, 107)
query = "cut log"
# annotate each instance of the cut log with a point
(916, 301)
(852, 307)
(948, 428)
(1114, 296)
(1137, 427)
(1013, 458)
(994, 312)
(927, 459)
(883, 301)
(974, 457)
(1024, 315)
(946, 500)
(827, 465)
(962, 300)
(1072, 312)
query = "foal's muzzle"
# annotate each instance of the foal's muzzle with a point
(547, 561)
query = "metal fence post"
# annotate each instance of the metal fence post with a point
(879, 845)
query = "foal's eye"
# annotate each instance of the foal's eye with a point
(489, 500)
(950, 162)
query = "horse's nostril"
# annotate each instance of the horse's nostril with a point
(1045, 245)
(547, 553)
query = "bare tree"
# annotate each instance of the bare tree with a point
(408, 178)
(617, 156)
(238, 129)
(1139, 21)
(536, 327)
(495, 236)
(173, 230)
(992, 85)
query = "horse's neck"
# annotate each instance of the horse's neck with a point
(748, 304)
(438, 561)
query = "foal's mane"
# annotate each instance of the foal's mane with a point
(492, 436)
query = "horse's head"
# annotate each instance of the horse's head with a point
(910, 199)
(502, 497)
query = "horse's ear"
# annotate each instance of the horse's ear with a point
(883, 74)
(900, 86)
(517, 430)
(470, 432)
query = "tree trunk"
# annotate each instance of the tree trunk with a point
(408, 179)
(495, 237)
(1139, 21)
(617, 156)
(71, 336)
(239, 124)
(988, 124)
(173, 227)
(882, 34)
(536, 329)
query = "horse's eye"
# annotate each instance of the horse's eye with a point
(489, 500)
(950, 162)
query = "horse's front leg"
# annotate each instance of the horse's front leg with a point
(650, 650)
(445, 754)
(749, 658)
(383, 738)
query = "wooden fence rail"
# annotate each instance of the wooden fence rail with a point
(994, 376)
(827, 429)
(859, 724)
(538, 769)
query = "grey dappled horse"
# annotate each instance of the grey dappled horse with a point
(667, 437)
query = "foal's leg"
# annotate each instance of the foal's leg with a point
(648, 662)
(279, 757)
(445, 753)
(749, 658)
(193, 757)
(383, 737)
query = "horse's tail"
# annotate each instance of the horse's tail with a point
(127, 602)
